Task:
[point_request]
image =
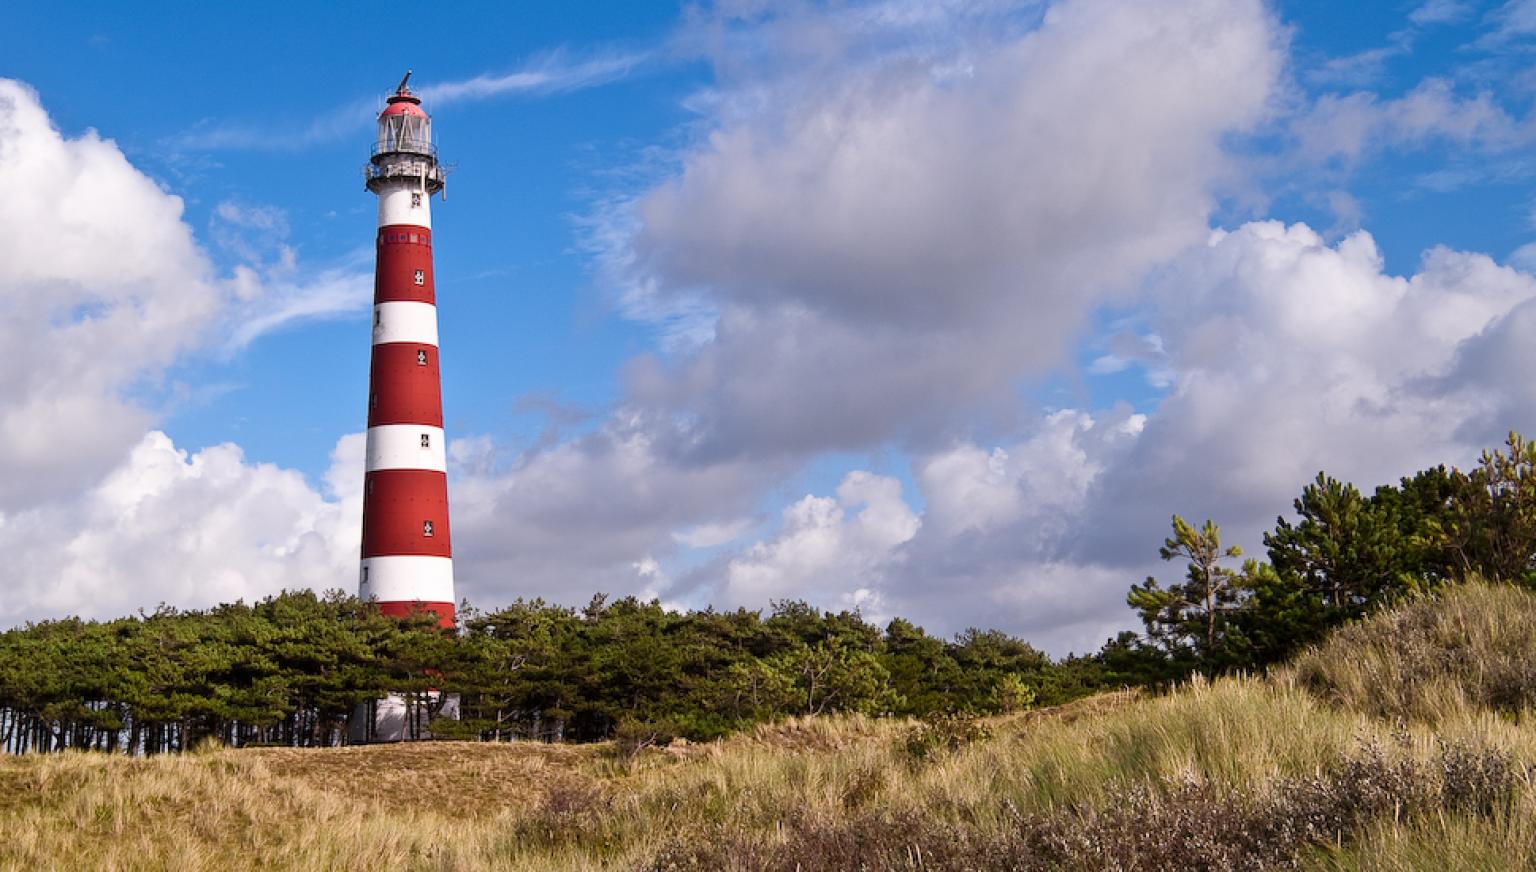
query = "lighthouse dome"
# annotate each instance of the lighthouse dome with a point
(403, 106)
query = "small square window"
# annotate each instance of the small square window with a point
(415, 199)
(421, 357)
(426, 440)
(426, 528)
(421, 277)
(413, 237)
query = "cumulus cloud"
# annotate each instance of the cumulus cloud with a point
(103, 282)
(190, 529)
(566, 520)
(1290, 356)
(1285, 354)
(830, 550)
(893, 246)
(105, 285)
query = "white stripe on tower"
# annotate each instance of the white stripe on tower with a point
(404, 321)
(410, 578)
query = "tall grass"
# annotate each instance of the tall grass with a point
(1315, 768)
(1436, 660)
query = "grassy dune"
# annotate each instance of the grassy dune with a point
(1400, 744)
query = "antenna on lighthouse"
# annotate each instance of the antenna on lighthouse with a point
(401, 89)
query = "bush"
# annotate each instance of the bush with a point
(631, 737)
(945, 732)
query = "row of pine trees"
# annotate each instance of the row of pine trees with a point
(290, 670)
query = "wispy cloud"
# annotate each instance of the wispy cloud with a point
(334, 293)
(550, 73)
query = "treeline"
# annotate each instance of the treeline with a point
(292, 668)
(1343, 555)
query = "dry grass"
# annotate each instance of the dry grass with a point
(1469, 651)
(1306, 770)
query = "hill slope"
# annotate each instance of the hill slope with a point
(1400, 743)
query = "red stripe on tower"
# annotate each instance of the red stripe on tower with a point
(407, 558)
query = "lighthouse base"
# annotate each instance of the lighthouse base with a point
(400, 717)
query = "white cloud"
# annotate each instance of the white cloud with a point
(567, 520)
(827, 547)
(892, 241)
(549, 73)
(105, 285)
(1287, 355)
(279, 301)
(102, 284)
(713, 534)
(1433, 12)
(1353, 125)
(188, 529)
(1291, 356)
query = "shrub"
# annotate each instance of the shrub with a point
(631, 737)
(945, 732)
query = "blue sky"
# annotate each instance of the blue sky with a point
(929, 309)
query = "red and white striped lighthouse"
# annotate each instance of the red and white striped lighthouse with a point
(407, 558)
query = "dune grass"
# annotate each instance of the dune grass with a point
(1439, 660)
(1314, 768)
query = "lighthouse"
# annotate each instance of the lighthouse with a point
(407, 556)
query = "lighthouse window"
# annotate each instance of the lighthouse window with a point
(426, 528)
(378, 317)
(415, 198)
(413, 237)
(421, 357)
(370, 487)
(426, 440)
(365, 575)
(373, 401)
(421, 277)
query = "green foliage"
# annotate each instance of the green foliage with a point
(1489, 528)
(1347, 551)
(1343, 557)
(942, 732)
(1191, 622)
(291, 669)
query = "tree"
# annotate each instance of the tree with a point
(1187, 620)
(1490, 525)
(1344, 548)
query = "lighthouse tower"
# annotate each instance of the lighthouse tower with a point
(407, 559)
